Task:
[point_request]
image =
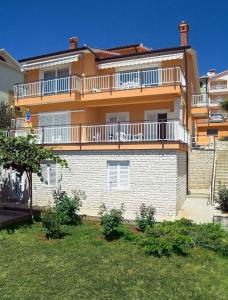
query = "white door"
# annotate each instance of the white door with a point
(55, 127)
(116, 130)
(150, 126)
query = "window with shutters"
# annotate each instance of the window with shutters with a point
(56, 127)
(118, 175)
(49, 172)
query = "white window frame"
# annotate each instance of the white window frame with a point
(155, 112)
(118, 171)
(46, 114)
(118, 114)
(54, 68)
(48, 173)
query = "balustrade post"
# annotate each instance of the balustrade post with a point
(141, 80)
(110, 83)
(82, 87)
(80, 136)
(70, 84)
(119, 135)
(41, 88)
(162, 132)
(175, 76)
(42, 130)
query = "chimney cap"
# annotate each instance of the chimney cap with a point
(73, 42)
(73, 38)
(184, 26)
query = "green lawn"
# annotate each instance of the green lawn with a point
(84, 266)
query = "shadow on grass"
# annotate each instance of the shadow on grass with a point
(24, 224)
(114, 235)
(57, 236)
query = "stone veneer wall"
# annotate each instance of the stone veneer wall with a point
(200, 168)
(156, 177)
(181, 179)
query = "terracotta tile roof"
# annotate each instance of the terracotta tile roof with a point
(143, 53)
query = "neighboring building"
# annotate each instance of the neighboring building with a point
(120, 117)
(10, 73)
(214, 89)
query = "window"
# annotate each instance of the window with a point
(56, 128)
(49, 172)
(61, 84)
(118, 175)
(212, 131)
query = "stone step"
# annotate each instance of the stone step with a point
(198, 193)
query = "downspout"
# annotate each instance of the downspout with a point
(187, 109)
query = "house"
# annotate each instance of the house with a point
(214, 89)
(10, 74)
(120, 116)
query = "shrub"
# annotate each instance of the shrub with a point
(68, 207)
(110, 221)
(222, 199)
(167, 238)
(52, 223)
(224, 104)
(178, 237)
(145, 218)
(210, 236)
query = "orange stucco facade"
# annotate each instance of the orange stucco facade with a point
(93, 107)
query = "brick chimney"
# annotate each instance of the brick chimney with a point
(73, 42)
(183, 29)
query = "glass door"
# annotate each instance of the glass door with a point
(55, 128)
(118, 131)
(49, 84)
(162, 123)
(63, 80)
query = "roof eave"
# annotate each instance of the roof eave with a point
(155, 51)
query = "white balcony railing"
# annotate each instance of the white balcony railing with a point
(221, 86)
(200, 100)
(108, 133)
(47, 87)
(110, 82)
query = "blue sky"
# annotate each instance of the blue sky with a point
(31, 28)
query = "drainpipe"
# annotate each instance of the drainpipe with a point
(187, 109)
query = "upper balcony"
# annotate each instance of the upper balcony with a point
(145, 82)
(200, 105)
(220, 87)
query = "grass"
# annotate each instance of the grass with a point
(84, 266)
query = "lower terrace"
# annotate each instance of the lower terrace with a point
(137, 135)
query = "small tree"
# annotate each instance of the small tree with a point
(23, 155)
(224, 105)
(5, 115)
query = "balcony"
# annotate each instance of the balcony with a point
(200, 105)
(200, 100)
(91, 85)
(110, 134)
(218, 88)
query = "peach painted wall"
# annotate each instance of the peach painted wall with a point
(203, 138)
(95, 115)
